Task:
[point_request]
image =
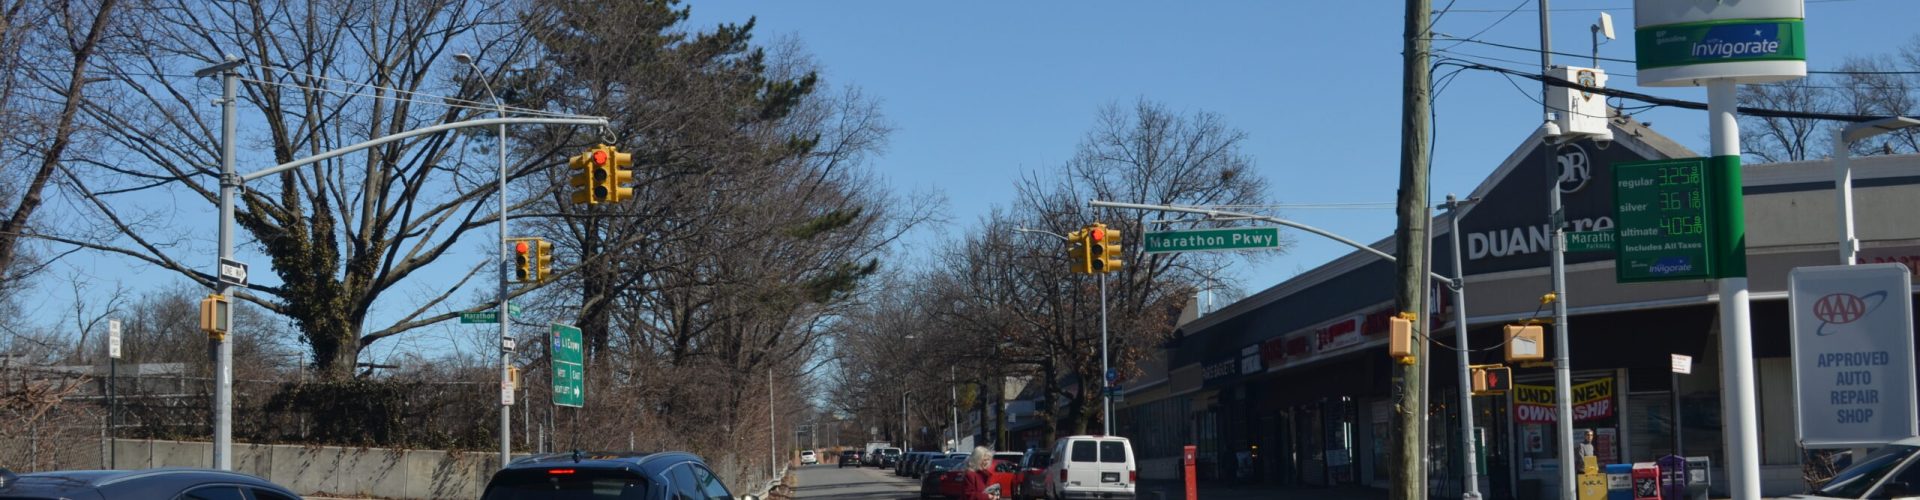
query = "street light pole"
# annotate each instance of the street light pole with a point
(906, 439)
(1843, 140)
(953, 403)
(506, 356)
(1471, 479)
(230, 182)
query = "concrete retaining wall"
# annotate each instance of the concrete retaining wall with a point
(317, 470)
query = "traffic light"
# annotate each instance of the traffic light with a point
(1079, 253)
(1400, 338)
(1103, 248)
(1525, 343)
(585, 181)
(1489, 380)
(543, 260)
(213, 316)
(523, 258)
(619, 175)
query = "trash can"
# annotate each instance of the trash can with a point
(1619, 481)
(1699, 478)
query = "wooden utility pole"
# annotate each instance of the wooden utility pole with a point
(1408, 452)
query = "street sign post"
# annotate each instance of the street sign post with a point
(1682, 364)
(476, 317)
(1852, 348)
(113, 339)
(1590, 241)
(569, 367)
(1662, 207)
(1212, 240)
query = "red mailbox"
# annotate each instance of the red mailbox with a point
(1189, 455)
(1646, 481)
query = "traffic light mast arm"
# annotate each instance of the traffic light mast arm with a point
(1225, 214)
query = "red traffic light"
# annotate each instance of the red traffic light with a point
(1098, 234)
(520, 247)
(599, 157)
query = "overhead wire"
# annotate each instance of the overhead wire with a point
(1472, 40)
(452, 102)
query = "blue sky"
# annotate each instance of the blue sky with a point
(983, 91)
(980, 92)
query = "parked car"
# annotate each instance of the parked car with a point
(887, 457)
(1031, 481)
(930, 478)
(849, 458)
(623, 475)
(1092, 467)
(809, 458)
(150, 483)
(907, 461)
(952, 481)
(1893, 471)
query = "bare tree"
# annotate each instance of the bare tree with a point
(1880, 85)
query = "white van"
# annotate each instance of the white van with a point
(1092, 467)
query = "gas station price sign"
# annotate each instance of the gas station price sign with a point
(1661, 207)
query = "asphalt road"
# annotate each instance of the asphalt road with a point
(864, 483)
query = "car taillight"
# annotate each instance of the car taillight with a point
(559, 472)
(1063, 475)
(1133, 476)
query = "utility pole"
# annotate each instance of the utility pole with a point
(953, 404)
(1410, 241)
(1556, 220)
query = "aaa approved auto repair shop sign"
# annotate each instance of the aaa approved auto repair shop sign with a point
(1853, 355)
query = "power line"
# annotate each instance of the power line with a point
(1496, 22)
(1663, 101)
(1603, 9)
(1471, 39)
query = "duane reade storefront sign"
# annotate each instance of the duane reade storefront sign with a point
(1853, 372)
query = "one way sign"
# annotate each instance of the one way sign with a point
(233, 272)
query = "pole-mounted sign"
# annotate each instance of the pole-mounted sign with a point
(1853, 372)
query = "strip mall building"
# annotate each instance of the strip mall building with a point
(1290, 386)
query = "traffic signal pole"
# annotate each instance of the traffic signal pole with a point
(1407, 448)
(1106, 392)
(1470, 482)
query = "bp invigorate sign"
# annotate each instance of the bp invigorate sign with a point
(1853, 372)
(1683, 42)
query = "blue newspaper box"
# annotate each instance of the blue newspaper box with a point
(1619, 481)
(1673, 477)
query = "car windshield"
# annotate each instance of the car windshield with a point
(891, 452)
(565, 484)
(1857, 479)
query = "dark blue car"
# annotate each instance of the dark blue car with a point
(626, 476)
(157, 484)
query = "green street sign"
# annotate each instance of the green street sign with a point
(513, 309)
(1590, 241)
(1213, 240)
(569, 367)
(469, 318)
(1664, 228)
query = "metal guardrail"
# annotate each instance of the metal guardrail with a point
(767, 487)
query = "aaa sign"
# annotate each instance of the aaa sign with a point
(1534, 404)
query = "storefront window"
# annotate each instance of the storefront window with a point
(1595, 409)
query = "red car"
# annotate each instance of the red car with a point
(1003, 475)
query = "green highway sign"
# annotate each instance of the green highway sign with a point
(1590, 241)
(1664, 228)
(569, 367)
(469, 318)
(1209, 240)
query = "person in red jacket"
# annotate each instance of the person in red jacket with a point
(979, 477)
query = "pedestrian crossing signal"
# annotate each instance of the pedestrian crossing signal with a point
(1491, 380)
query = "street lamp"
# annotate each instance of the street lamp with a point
(1843, 184)
(906, 443)
(506, 418)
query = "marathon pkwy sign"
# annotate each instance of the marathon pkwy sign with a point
(1213, 240)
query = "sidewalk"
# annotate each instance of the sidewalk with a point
(1175, 490)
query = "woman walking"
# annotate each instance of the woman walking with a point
(979, 483)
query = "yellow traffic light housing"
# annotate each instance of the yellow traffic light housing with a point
(1079, 253)
(1491, 380)
(543, 260)
(1400, 337)
(523, 271)
(214, 311)
(582, 180)
(1525, 343)
(1103, 249)
(619, 176)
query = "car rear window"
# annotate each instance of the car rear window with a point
(1113, 452)
(1083, 451)
(565, 484)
